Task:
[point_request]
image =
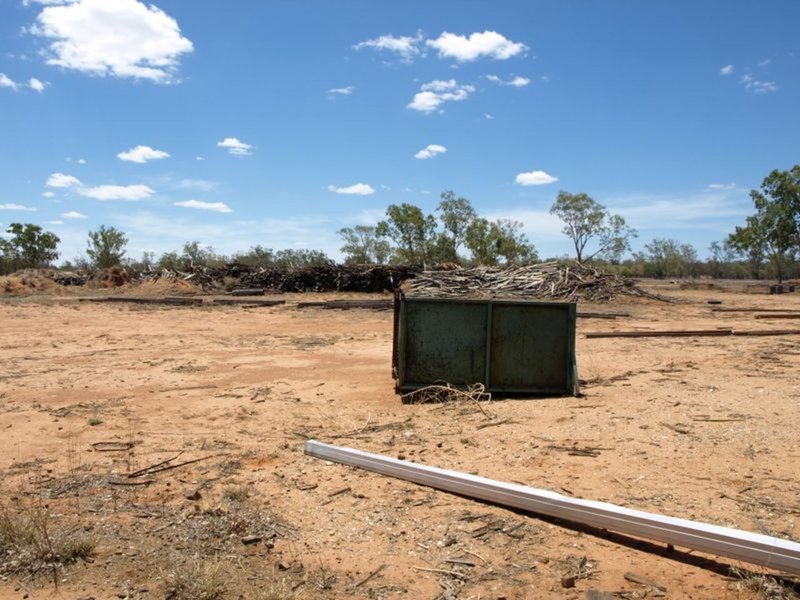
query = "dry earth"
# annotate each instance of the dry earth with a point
(700, 428)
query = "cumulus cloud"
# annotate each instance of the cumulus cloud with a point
(117, 192)
(7, 82)
(752, 84)
(488, 117)
(212, 206)
(118, 38)
(81, 161)
(430, 151)
(432, 95)
(48, 194)
(141, 154)
(17, 207)
(535, 178)
(358, 189)
(721, 186)
(488, 44)
(727, 70)
(343, 91)
(55, 222)
(37, 85)
(73, 215)
(236, 147)
(60, 180)
(407, 48)
(516, 82)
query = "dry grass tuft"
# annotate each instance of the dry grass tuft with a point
(766, 587)
(196, 580)
(30, 542)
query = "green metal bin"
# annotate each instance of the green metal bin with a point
(510, 346)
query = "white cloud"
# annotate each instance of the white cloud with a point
(81, 161)
(701, 211)
(120, 38)
(727, 70)
(46, 2)
(117, 192)
(758, 87)
(385, 187)
(406, 47)
(73, 215)
(430, 151)
(437, 92)
(516, 82)
(535, 178)
(7, 82)
(721, 186)
(764, 62)
(37, 85)
(55, 222)
(17, 207)
(358, 189)
(488, 116)
(60, 180)
(466, 49)
(213, 206)
(203, 185)
(344, 91)
(141, 154)
(236, 147)
(199, 158)
(48, 194)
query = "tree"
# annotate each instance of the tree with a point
(106, 247)
(362, 246)
(585, 219)
(722, 255)
(774, 230)
(29, 247)
(489, 241)
(456, 215)
(256, 256)
(512, 245)
(668, 258)
(411, 231)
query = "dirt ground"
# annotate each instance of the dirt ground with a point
(704, 428)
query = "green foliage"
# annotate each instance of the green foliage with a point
(29, 247)
(774, 231)
(413, 232)
(257, 256)
(489, 241)
(300, 258)
(668, 258)
(362, 246)
(586, 219)
(106, 247)
(456, 215)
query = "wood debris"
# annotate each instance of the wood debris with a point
(546, 281)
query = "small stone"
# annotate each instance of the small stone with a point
(284, 566)
(194, 495)
(568, 582)
(251, 539)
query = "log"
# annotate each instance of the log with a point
(760, 549)
(779, 316)
(248, 292)
(758, 310)
(673, 333)
(249, 301)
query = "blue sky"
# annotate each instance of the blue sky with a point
(278, 123)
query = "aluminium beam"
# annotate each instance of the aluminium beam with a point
(755, 548)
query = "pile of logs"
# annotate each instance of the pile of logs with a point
(323, 278)
(546, 281)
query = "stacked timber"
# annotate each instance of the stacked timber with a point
(545, 281)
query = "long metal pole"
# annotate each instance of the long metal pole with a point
(750, 547)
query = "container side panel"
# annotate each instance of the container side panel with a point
(444, 342)
(530, 348)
